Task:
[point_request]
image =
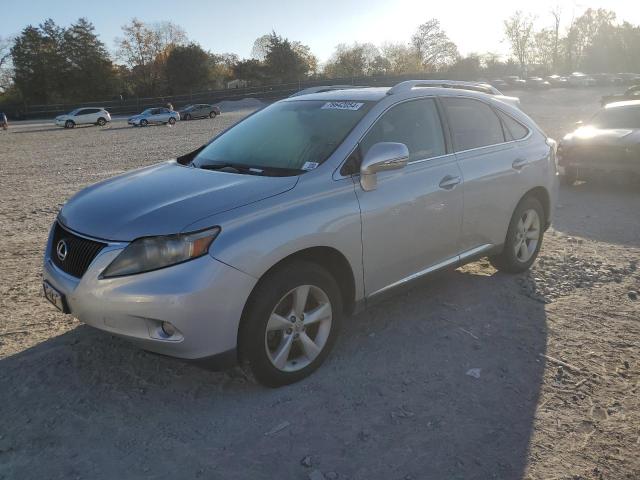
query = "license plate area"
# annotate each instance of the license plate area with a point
(55, 297)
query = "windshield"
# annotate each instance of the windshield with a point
(147, 111)
(292, 135)
(619, 117)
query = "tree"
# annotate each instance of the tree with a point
(357, 60)
(287, 61)
(402, 58)
(519, 31)
(252, 70)
(583, 32)
(145, 49)
(434, 48)
(5, 64)
(89, 71)
(187, 68)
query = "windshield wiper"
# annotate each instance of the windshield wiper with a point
(251, 169)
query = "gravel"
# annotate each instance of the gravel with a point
(558, 349)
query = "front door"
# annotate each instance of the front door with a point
(411, 222)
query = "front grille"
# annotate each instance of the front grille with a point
(80, 252)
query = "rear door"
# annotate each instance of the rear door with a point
(411, 221)
(494, 168)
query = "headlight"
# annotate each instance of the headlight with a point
(152, 253)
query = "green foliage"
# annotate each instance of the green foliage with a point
(51, 63)
(188, 68)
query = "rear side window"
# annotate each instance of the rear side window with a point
(513, 130)
(473, 123)
(415, 123)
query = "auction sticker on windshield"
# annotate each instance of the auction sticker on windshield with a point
(342, 106)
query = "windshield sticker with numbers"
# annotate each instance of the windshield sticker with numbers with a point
(310, 165)
(342, 106)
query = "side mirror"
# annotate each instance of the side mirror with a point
(381, 157)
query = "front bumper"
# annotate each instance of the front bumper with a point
(202, 298)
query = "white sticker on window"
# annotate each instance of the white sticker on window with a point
(310, 165)
(342, 106)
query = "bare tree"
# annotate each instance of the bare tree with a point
(519, 31)
(556, 12)
(5, 61)
(433, 46)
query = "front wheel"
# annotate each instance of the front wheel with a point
(69, 124)
(172, 121)
(144, 123)
(187, 117)
(291, 323)
(524, 238)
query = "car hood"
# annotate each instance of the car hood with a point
(588, 135)
(163, 199)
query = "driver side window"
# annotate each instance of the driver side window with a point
(415, 123)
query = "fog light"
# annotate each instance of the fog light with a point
(168, 329)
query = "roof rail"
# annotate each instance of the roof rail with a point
(324, 88)
(411, 84)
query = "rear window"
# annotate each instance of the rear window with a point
(473, 123)
(513, 130)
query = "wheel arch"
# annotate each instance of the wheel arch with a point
(326, 257)
(542, 195)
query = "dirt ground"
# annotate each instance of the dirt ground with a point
(469, 375)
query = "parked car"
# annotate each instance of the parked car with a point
(557, 81)
(608, 143)
(200, 110)
(579, 79)
(499, 83)
(537, 83)
(631, 93)
(159, 115)
(515, 82)
(84, 116)
(253, 247)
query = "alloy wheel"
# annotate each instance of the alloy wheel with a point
(298, 328)
(527, 235)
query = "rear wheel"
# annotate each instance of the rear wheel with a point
(172, 121)
(524, 238)
(212, 114)
(102, 122)
(69, 124)
(291, 323)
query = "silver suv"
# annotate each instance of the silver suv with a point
(256, 245)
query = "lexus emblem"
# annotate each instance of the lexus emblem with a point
(62, 250)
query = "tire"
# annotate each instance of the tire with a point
(212, 114)
(510, 260)
(187, 117)
(69, 124)
(172, 121)
(144, 123)
(274, 299)
(570, 176)
(102, 122)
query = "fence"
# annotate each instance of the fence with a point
(133, 105)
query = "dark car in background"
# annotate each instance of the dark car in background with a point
(199, 110)
(608, 143)
(631, 93)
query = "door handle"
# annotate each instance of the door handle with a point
(519, 163)
(448, 182)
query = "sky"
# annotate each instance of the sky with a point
(233, 25)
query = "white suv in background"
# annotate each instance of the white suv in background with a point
(84, 116)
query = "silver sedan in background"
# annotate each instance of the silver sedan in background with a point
(159, 115)
(255, 246)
